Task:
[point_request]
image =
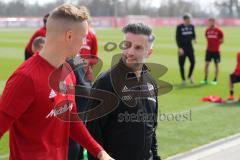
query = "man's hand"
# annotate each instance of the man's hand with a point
(104, 156)
(181, 52)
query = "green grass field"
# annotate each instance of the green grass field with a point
(208, 122)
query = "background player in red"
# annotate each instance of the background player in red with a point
(234, 78)
(215, 37)
(41, 32)
(89, 51)
(29, 107)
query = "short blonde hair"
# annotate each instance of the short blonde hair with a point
(70, 12)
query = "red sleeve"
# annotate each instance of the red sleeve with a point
(5, 122)
(80, 134)
(17, 96)
(94, 45)
(94, 50)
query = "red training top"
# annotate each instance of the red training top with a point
(89, 51)
(214, 35)
(30, 109)
(237, 70)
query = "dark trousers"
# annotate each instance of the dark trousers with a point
(188, 53)
(75, 151)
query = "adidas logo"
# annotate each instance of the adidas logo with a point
(52, 94)
(125, 89)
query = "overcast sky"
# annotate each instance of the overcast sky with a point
(155, 2)
(41, 2)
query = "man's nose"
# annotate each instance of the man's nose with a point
(130, 51)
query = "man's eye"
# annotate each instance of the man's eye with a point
(138, 47)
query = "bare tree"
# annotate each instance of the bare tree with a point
(167, 8)
(179, 7)
(237, 3)
(229, 8)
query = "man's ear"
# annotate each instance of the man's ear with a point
(150, 51)
(68, 36)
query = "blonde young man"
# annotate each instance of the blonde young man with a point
(28, 103)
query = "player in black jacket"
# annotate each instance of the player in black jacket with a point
(185, 34)
(129, 131)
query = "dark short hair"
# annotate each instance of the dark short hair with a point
(187, 16)
(211, 19)
(37, 41)
(139, 28)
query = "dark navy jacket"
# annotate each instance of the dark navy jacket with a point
(129, 131)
